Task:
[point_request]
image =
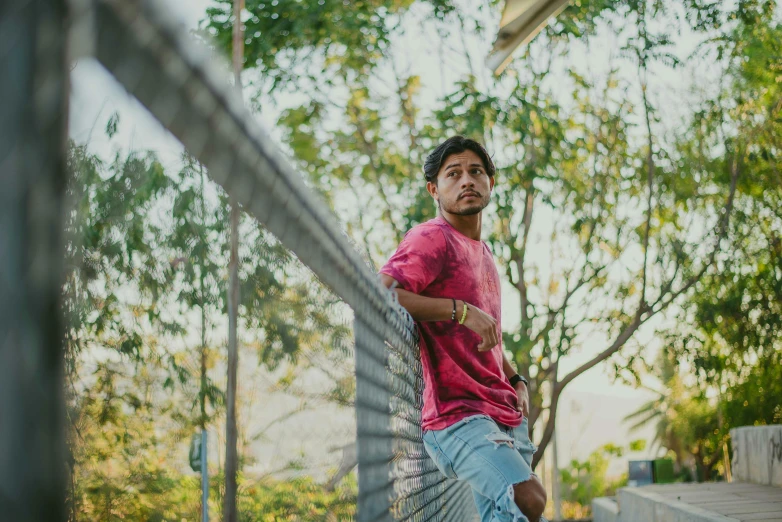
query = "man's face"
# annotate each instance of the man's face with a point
(463, 187)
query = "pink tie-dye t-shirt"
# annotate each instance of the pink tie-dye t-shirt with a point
(436, 260)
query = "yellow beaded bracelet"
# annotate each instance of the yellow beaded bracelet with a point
(464, 313)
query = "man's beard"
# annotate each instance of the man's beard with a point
(466, 211)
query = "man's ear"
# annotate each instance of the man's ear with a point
(431, 187)
(491, 183)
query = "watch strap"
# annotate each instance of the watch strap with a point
(517, 379)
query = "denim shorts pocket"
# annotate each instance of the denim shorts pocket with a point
(524, 445)
(440, 459)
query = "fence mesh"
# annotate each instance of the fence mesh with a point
(158, 63)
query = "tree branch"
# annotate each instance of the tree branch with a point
(548, 431)
(720, 235)
(370, 150)
(521, 284)
(649, 175)
(645, 312)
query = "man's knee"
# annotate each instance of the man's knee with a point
(530, 497)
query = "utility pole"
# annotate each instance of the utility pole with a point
(204, 460)
(204, 463)
(231, 454)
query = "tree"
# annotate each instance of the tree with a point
(130, 433)
(107, 250)
(633, 215)
(146, 286)
(197, 268)
(281, 313)
(731, 332)
(736, 314)
(126, 433)
(687, 422)
(662, 408)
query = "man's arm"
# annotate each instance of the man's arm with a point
(507, 367)
(425, 309)
(521, 388)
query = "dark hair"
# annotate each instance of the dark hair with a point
(455, 145)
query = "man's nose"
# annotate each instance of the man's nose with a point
(467, 181)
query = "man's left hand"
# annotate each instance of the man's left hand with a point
(522, 403)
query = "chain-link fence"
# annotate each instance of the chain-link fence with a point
(147, 52)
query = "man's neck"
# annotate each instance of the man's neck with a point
(469, 226)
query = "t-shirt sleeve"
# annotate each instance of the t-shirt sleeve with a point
(418, 260)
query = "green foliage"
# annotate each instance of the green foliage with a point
(144, 293)
(284, 39)
(296, 500)
(580, 19)
(697, 425)
(618, 200)
(109, 249)
(731, 338)
(129, 449)
(632, 214)
(147, 248)
(660, 409)
(583, 481)
(739, 309)
(693, 428)
(127, 435)
(754, 400)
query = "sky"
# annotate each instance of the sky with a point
(591, 408)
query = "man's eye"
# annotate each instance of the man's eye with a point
(452, 173)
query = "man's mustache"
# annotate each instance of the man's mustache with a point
(470, 193)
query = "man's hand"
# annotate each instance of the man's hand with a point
(424, 309)
(484, 325)
(522, 402)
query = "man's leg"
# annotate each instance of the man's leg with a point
(484, 505)
(477, 451)
(531, 493)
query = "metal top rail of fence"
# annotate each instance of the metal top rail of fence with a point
(174, 77)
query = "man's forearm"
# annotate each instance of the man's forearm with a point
(507, 367)
(424, 309)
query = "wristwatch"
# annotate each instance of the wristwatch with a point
(518, 378)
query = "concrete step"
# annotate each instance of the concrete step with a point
(708, 502)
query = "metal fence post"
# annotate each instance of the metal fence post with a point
(33, 116)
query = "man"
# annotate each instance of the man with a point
(475, 404)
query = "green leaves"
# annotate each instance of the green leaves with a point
(111, 125)
(146, 300)
(286, 38)
(583, 481)
(609, 207)
(732, 337)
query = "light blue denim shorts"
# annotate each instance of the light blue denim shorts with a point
(489, 457)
